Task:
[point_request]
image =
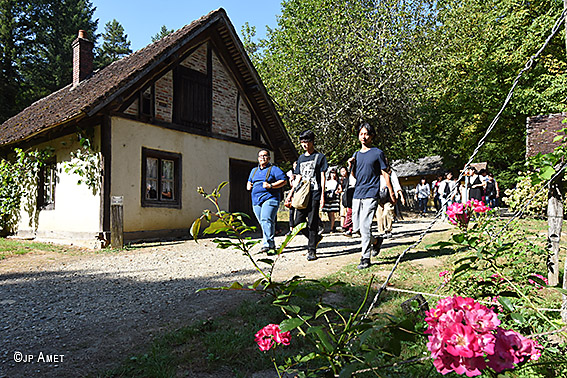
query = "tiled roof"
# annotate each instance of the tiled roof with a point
(425, 166)
(92, 94)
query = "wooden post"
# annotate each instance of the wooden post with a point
(117, 222)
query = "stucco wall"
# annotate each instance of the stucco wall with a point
(205, 162)
(77, 210)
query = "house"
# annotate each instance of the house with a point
(186, 111)
(410, 172)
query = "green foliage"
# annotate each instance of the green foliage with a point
(542, 169)
(479, 48)
(18, 186)
(35, 48)
(525, 190)
(86, 163)
(49, 28)
(340, 341)
(8, 57)
(329, 65)
(162, 33)
(115, 44)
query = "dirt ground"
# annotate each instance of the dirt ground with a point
(75, 315)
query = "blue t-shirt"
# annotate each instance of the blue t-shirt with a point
(258, 176)
(368, 169)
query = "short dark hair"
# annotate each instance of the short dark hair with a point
(307, 135)
(369, 128)
(263, 149)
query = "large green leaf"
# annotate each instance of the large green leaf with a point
(195, 227)
(506, 303)
(216, 227)
(547, 173)
(290, 324)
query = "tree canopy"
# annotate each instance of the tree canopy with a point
(162, 33)
(36, 58)
(429, 75)
(115, 44)
(329, 65)
(480, 47)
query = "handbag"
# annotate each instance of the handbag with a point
(348, 193)
(347, 196)
(300, 199)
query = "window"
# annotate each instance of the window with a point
(161, 178)
(46, 185)
(147, 102)
(192, 98)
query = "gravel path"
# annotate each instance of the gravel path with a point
(70, 316)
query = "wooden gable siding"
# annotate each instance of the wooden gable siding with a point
(231, 114)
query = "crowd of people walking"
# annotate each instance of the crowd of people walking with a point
(351, 196)
(445, 190)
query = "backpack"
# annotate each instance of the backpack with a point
(447, 190)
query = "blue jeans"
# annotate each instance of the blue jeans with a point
(266, 214)
(422, 202)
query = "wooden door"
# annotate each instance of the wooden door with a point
(239, 198)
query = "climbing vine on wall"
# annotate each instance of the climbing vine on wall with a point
(86, 163)
(19, 185)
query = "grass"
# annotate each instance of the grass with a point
(13, 247)
(225, 344)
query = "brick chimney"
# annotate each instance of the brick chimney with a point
(82, 58)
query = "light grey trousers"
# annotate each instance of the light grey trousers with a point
(362, 214)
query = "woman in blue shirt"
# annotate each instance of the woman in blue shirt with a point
(265, 182)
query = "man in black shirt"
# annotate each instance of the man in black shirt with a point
(311, 167)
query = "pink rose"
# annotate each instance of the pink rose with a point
(270, 334)
(510, 349)
(465, 337)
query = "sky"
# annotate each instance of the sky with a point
(143, 19)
